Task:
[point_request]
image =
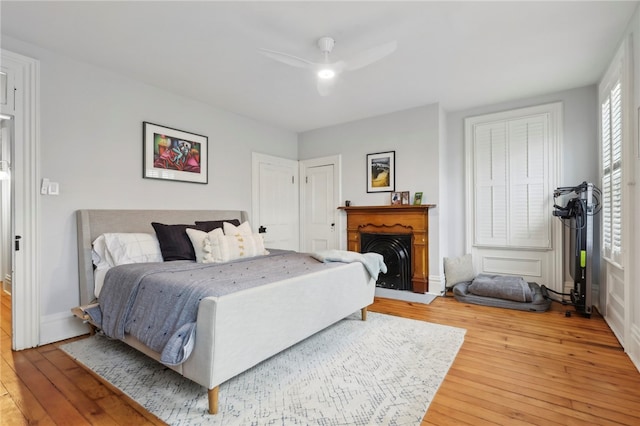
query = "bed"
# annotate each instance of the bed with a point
(238, 330)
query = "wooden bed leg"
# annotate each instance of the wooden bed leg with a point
(364, 313)
(213, 400)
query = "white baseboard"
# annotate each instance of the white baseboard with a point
(436, 285)
(61, 326)
(633, 348)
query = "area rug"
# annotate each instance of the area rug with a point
(385, 370)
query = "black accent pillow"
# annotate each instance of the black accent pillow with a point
(174, 241)
(210, 225)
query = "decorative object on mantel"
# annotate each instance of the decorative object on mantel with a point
(406, 196)
(172, 154)
(381, 172)
(396, 198)
(417, 199)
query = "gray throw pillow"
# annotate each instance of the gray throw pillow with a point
(458, 269)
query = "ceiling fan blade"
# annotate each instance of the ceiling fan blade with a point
(370, 56)
(325, 86)
(287, 59)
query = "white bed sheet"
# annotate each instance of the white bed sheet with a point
(98, 279)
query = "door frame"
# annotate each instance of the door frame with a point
(336, 162)
(25, 177)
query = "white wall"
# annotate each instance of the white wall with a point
(414, 135)
(91, 143)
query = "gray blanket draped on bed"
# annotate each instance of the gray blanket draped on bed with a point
(373, 262)
(157, 303)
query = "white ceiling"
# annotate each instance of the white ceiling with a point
(460, 54)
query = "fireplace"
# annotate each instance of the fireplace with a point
(396, 251)
(406, 221)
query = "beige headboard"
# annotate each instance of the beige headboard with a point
(93, 223)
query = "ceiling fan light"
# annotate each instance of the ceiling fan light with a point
(326, 73)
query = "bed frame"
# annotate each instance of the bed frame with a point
(239, 330)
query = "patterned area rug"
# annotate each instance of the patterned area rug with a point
(385, 370)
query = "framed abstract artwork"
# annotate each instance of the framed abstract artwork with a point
(381, 170)
(172, 154)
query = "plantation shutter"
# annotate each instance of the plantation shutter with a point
(511, 169)
(491, 184)
(528, 213)
(611, 115)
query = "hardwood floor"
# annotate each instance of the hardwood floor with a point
(514, 368)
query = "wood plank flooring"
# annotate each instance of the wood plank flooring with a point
(514, 368)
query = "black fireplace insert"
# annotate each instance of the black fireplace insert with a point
(396, 251)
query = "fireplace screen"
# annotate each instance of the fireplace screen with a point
(396, 251)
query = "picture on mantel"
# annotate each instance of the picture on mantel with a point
(406, 196)
(396, 198)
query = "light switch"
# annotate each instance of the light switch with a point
(54, 188)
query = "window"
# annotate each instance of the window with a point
(511, 158)
(611, 138)
(511, 182)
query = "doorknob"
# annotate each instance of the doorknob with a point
(262, 230)
(17, 242)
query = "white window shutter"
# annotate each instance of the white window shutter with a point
(510, 175)
(490, 184)
(528, 215)
(611, 134)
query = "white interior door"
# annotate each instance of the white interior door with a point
(275, 211)
(6, 232)
(21, 101)
(320, 211)
(320, 198)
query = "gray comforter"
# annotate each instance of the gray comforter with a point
(501, 287)
(157, 303)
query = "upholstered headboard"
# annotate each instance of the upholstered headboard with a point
(93, 223)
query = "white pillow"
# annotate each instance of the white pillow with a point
(243, 229)
(200, 240)
(99, 253)
(124, 248)
(229, 247)
(458, 269)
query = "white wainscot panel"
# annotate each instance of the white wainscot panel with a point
(615, 302)
(512, 266)
(634, 346)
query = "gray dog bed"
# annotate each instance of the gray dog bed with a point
(537, 304)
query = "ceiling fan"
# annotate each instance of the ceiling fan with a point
(327, 71)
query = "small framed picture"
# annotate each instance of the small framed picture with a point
(381, 170)
(172, 154)
(417, 199)
(396, 198)
(406, 195)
